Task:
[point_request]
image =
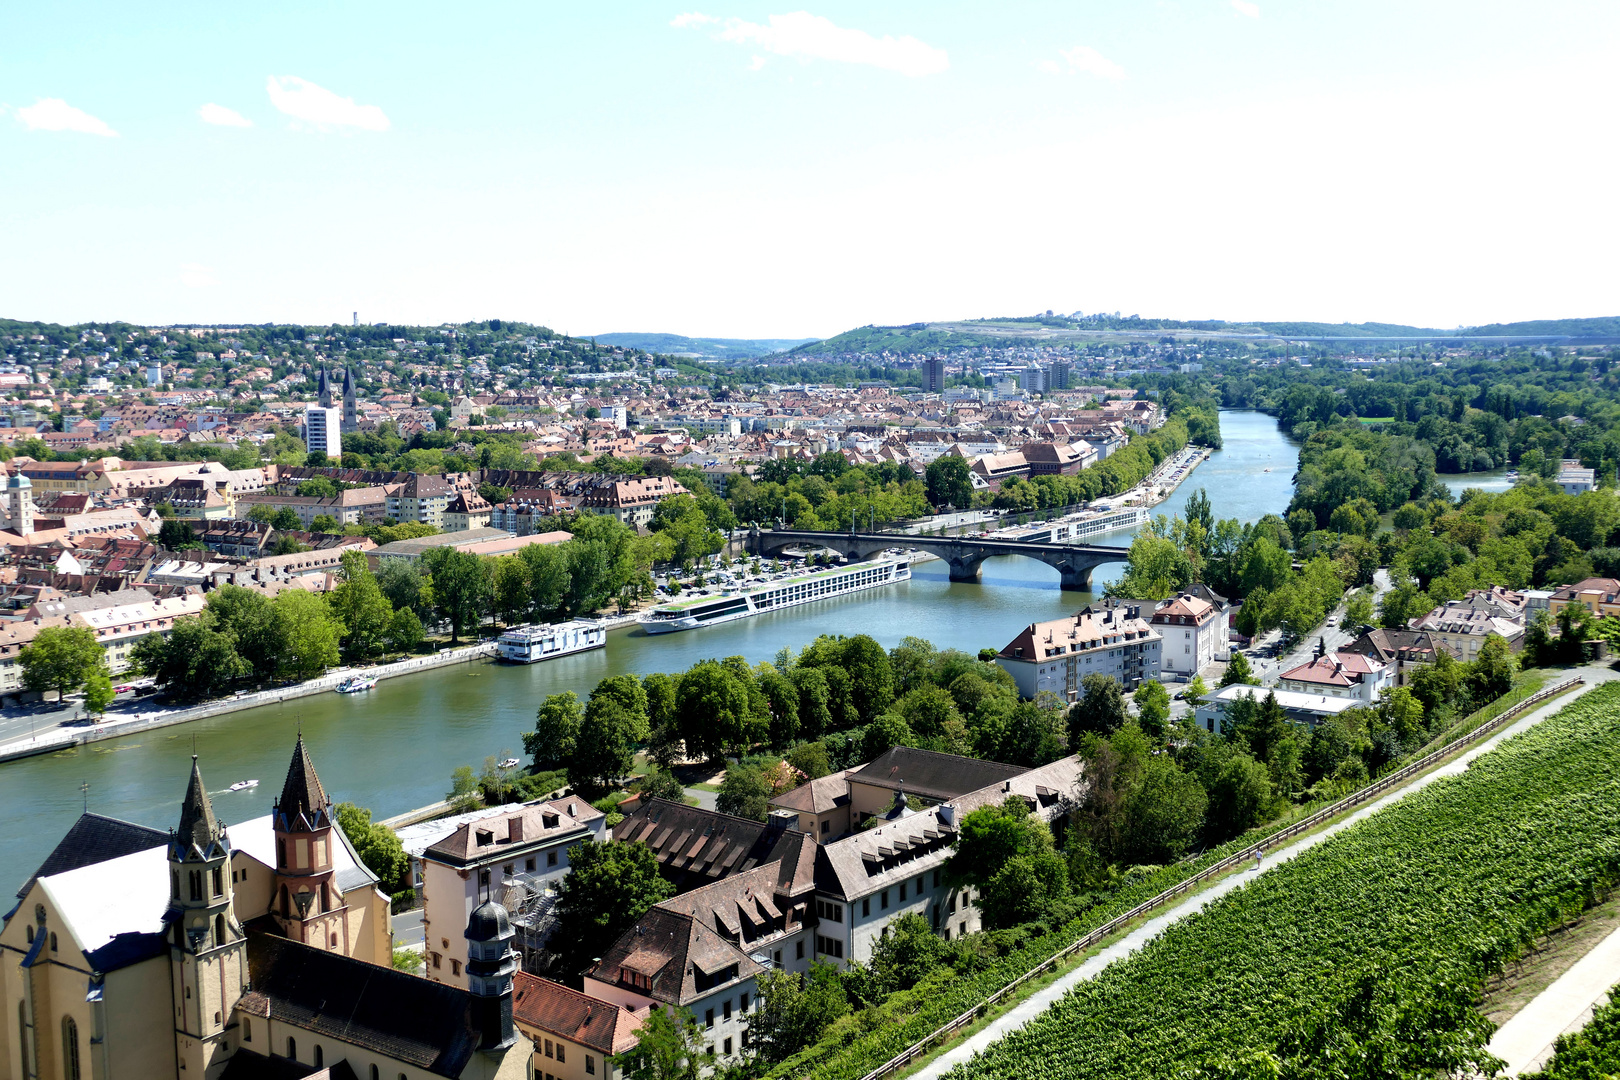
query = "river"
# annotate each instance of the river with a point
(394, 747)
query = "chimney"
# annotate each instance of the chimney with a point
(514, 828)
(947, 814)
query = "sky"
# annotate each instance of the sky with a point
(742, 170)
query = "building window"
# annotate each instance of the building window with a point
(375, 1074)
(866, 907)
(436, 960)
(320, 1058)
(708, 1018)
(561, 1054)
(725, 1011)
(292, 1048)
(509, 869)
(548, 1048)
(742, 1002)
(455, 967)
(936, 879)
(826, 826)
(528, 865)
(830, 911)
(920, 884)
(196, 885)
(829, 946)
(219, 881)
(590, 1065)
(247, 1029)
(883, 899)
(219, 929)
(53, 941)
(801, 951)
(902, 894)
(70, 1049)
(727, 1046)
(551, 858)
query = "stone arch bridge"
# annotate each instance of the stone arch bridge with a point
(965, 555)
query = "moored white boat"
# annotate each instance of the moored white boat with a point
(531, 644)
(790, 592)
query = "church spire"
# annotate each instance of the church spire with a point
(199, 829)
(302, 796)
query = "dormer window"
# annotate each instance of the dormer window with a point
(483, 837)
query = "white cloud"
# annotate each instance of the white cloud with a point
(692, 18)
(1246, 7)
(756, 62)
(810, 36)
(1086, 59)
(220, 116)
(303, 100)
(1048, 66)
(197, 276)
(54, 114)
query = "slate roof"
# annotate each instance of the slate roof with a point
(931, 775)
(246, 1065)
(410, 1019)
(93, 839)
(551, 1007)
(817, 796)
(466, 845)
(199, 829)
(696, 846)
(669, 949)
(302, 795)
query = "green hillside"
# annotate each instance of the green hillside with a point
(721, 348)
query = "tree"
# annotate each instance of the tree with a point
(1238, 798)
(783, 699)
(662, 784)
(286, 520)
(248, 617)
(1490, 675)
(1100, 710)
(1157, 569)
(744, 792)
(98, 693)
(461, 585)
(378, 846)
(810, 758)
(465, 793)
(1152, 708)
(194, 661)
(1358, 612)
(602, 752)
(310, 632)
(175, 535)
(628, 692)
(325, 523)
(870, 674)
(905, 955)
(1024, 889)
(61, 658)
(361, 607)
(815, 708)
(711, 709)
(884, 733)
(669, 1046)
(405, 587)
(608, 889)
(556, 731)
(991, 835)
(1238, 672)
(405, 631)
(949, 481)
(511, 584)
(1196, 689)
(795, 1010)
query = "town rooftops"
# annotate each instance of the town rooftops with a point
(555, 1009)
(1341, 669)
(1086, 629)
(423, 544)
(817, 796)
(673, 957)
(1184, 607)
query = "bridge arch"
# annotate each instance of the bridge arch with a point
(963, 555)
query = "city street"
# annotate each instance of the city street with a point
(1305, 649)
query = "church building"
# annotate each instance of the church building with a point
(254, 951)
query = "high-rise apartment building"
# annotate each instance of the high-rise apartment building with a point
(934, 374)
(322, 430)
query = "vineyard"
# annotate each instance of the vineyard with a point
(1592, 1052)
(1363, 955)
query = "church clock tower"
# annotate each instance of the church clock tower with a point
(307, 904)
(207, 947)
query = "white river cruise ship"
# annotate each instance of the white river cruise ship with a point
(530, 644)
(771, 596)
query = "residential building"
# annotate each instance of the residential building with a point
(1302, 708)
(1057, 655)
(575, 1036)
(934, 374)
(633, 500)
(1600, 596)
(1463, 625)
(483, 858)
(1193, 633)
(1344, 674)
(468, 510)
(1058, 459)
(351, 506)
(695, 847)
(494, 542)
(1404, 650)
(1574, 479)
(423, 498)
(323, 431)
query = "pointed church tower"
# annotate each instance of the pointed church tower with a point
(207, 947)
(351, 407)
(323, 389)
(306, 902)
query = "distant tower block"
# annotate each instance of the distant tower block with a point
(20, 504)
(357, 318)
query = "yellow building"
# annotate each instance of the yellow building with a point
(206, 952)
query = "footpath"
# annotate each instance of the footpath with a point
(62, 737)
(1525, 1042)
(1022, 1013)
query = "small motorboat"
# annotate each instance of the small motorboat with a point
(509, 763)
(243, 785)
(354, 684)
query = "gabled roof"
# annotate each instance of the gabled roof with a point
(696, 846)
(931, 775)
(521, 828)
(93, 839)
(403, 1017)
(669, 949)
(817, 796)
(554, 1008)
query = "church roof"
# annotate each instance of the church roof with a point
(403, 1017)
(199, 828)
(93, 839)
(302, 794)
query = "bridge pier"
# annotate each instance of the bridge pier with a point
(965, 568)
(1076, 579)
